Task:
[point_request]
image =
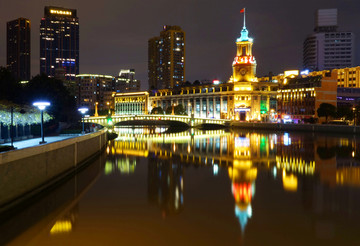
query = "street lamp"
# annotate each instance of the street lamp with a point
(354, 115)
(83, 111)
(41, 106)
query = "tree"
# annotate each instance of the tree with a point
(63, 105)
(196, 82)
(345, 112)
(157, 110)
(11, 90)
(326, 110)
(187, 83)
(178, 110)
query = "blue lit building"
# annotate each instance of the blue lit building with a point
(59, 42)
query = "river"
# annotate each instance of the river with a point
(202, 188)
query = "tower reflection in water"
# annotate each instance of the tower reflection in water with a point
(289, 158)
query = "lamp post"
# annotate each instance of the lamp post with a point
(108, 105)
(96, 109)
(83, 111)
(354, 111)
(41, 106)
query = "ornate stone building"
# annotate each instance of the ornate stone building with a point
(241, 98)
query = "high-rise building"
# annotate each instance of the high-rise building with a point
(18, 48)
(166, 62)
(59, 42)
(328, 48)
(126, 81)
(95, 89)
(154, 65)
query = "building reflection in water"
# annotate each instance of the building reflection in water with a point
(289, 158)
(166, 185)
(66, 223)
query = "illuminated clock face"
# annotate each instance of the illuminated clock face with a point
(243, 71)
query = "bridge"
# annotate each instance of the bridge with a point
(114, 119)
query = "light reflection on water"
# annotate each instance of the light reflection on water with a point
(281, 188)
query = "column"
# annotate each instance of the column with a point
(221, 105)
(194, 108)
(188, 107)
(214, 107)
(228, 107)
(207, 107)
(201, 108)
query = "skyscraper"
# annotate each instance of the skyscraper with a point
(18, 48)
(154, 67)
(59, 42)
(166, 62)
(328, 48)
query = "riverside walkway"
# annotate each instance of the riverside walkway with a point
(35, 141)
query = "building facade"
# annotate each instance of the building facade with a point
(126, 81)
(131, 103)
(328, 48)
(300, 96)
(19, 48)
(95, 91)
(243, 98)
(166, 61)
(59, 42)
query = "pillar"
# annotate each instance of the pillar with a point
(207, 107)
(221, 104)
(214, 107)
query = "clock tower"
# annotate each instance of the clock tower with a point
(244, 65)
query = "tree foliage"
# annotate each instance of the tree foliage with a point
(178, 110)
(63, 105)
(326, 110)
(345, 112)
(10, 89)
(157, 110)
(41, 87)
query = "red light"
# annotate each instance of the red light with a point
(244, 60)
(242, 192)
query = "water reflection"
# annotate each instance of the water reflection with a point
(206, 188)
(166, 185)
(289, 159)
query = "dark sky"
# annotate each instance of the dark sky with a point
(114, 33)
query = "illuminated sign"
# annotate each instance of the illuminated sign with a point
(216, 81)
(244, 60)
(305, 72)
(60, 12)
(291, 73)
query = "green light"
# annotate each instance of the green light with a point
(109, 121)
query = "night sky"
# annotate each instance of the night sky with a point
(114, 33)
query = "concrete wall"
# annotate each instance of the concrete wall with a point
(25, 172)
(298, 127)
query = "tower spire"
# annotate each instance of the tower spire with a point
(244, 18)
(244, 32)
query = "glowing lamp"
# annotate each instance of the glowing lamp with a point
(41, 106)
(83, 111)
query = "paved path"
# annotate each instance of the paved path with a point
(35, 141)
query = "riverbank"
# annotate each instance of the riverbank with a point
(26, 172)
(298, 127)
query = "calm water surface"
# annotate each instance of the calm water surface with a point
(203, 188)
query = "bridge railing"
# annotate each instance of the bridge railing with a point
(103, 120)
